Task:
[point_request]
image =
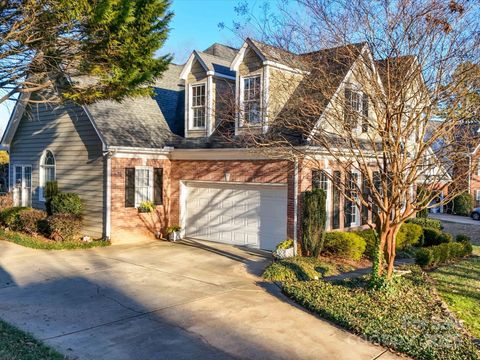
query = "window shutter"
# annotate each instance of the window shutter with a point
(158, 186)
(348, 107)
(365, 113)
(129, 187)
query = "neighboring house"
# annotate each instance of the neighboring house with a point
(467, 172)
(172, 150)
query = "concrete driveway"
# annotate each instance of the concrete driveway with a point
(160, 300)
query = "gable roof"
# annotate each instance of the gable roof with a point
(215, 59)
(328, 68)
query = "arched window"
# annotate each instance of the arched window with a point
(47, 171)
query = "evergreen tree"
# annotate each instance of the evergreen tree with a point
(112, 41)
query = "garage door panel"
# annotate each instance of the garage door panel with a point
(237, 214)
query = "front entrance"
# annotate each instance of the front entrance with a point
(238, 214)
(22, 190)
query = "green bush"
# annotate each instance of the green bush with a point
(426, 223)
(300, 268)
(347, 245)
(439, 254)
(463, 204)
(463, 238)
(29, 221)
(313, 222)
(63, 227)
(433, 237)
(51, 190)
(409, 235)
(67, 203)
(369, 236)
(9, 216)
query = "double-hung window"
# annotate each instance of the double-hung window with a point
(356, 107)
(351, 204)
(320, 180)
(142, 184)
(251, 100)
(198, 107)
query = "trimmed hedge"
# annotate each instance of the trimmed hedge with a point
(347, 245)
(9, 216)
(426, 223)
(63, 227)
(463, 238)
(29, 221)
(436, 255)
(409, 235)
(432, 237)
(66, 203)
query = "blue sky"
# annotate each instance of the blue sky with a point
(195, 26)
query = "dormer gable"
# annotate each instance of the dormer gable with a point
(207, 75)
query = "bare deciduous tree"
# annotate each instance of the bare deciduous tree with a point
(377, 101)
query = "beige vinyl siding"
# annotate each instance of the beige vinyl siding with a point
(251, 63)
(197, 73)
(223, 100)
(69, 134)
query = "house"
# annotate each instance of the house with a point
(171, 149)
(466, 170)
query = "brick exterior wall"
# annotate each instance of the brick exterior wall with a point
(128, 220)
(238, 171)
(475, 179)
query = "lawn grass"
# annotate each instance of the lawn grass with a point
(459, 286)
(408, 317)
(303, 269)
(44, 244)
(17, 345)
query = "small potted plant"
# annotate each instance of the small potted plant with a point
(173, 233)
(146, 207)
(284, 250)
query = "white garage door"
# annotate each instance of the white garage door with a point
(253, 215)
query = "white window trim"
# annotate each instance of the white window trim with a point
(41, 185)
(150, 180)
(354, 88)
(14, 184)
(477, 195)
(478, 167)
(241, 123)
(190, 108)
(358, 214)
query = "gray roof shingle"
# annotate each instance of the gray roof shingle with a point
(143, 122)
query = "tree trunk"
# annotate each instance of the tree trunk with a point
(391, 253)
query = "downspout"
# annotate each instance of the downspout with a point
(295, 205)
(108, 196)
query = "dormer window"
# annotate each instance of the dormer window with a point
(198, 107)
(356, 106)
(251, 100)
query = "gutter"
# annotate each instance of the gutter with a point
(295, 206)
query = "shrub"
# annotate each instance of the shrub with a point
(285, 244)
(346, 245)
(63, 227)
(369, 237)
(435, 237)
(439, 254)
(9, 216)
(51, 190)
(313, 221)
(463, 238)
(422, 214)
(6, 201)
(426, 223)
(463, 204)
(29, 221)
(67, 203)
(409, 235)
